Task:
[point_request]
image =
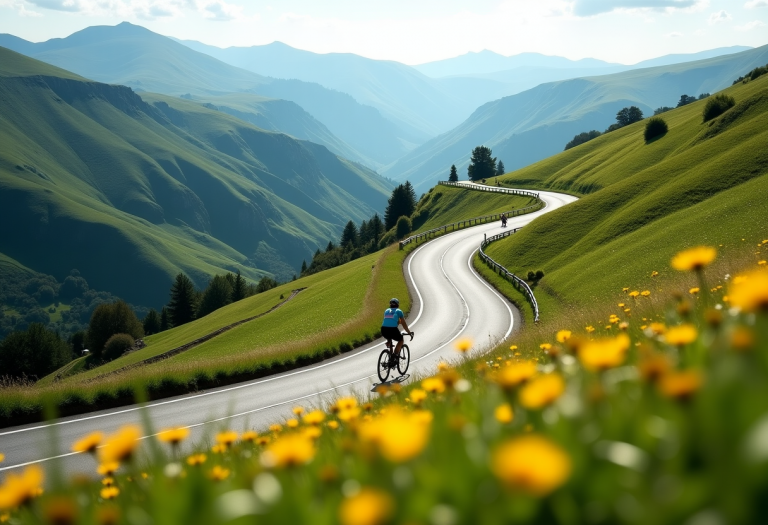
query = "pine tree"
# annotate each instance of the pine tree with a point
(454, 176)
(411, 196)
(482, 165)
(165, 322)
(152, 322)
(219, 293)
(181, 308)
(401, 203)
(364, 233)
(376, 227)
(349, 237)
(238, 288)
(303, 267)
(330, 247)
(500, 170)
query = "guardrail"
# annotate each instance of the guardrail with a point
(477, 220)
(492, 189)
(517, 282)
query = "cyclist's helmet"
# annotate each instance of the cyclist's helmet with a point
(394, 301)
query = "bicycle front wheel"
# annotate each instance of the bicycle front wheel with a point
(405, 360)
(383, 368)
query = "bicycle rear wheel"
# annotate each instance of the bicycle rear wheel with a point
(383, 368)
(402, 364)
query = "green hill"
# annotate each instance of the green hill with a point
(130, 192)
(701, 183)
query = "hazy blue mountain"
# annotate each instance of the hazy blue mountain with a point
(132, 188)
(145, 61)
(532, 125)
(485, 61)
(690, 57)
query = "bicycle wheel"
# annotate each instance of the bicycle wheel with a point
(402, 364)
(383, 369)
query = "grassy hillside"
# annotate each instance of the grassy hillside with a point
(701, 183)
(94, 174)
(145, 61)
(537, 123)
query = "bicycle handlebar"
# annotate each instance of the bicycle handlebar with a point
(412, 334)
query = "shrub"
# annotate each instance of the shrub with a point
(655, 127)
(718, 105)
(117, 345)
(403, 227)
(110, 319)
(581, 138)
(539, 274)
(531, 275)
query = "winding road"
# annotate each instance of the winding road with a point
(450, 300)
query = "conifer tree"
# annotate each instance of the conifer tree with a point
(482, 164)
(303, 267)
(152, 322)
(349, 237)
(500, 170)
(400, 204)
(219, 293)
(181, 308)
(454, 176)
(165, 321)
(376, 227)
(238, 288)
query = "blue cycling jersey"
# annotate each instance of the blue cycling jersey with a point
(392, 316)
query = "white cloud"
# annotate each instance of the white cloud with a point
(720, 16)
(756, 3)
(749, 26)
(221, 11)
(58, 5)
(596, 7)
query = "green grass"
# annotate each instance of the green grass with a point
(446, 204)
(698, 184)
(56, 316)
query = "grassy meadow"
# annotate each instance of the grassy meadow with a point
(700, 183)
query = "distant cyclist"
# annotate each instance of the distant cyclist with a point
(393, 318)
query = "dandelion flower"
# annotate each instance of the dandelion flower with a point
(654, 273)
(433, 385)
(658, 328)
(196, 459)
(18, 489)
(681, 335)
(333, 425)
(219, 448)
(289, 450)
(652, 366)
(276, 428)
(249, 436)
(513, 348)
(226, 438)
(345, 403)
(314, 418)
(681, 385)
(292, 423)
(463, 345)
(515, 374)
(531, 463)
(590, 329)
(503, 413)
(88, 443)
(545, 346)
(219, 473)
(349, 414)
(645, 293)
(694, 259)
(418, 395)
(634, 293)
(602, 354)
(367, 507)
(399, 436)
(694, 290)
(109, 493)
(542, 391)
(761, 263)
(120, 445)
(174, 436)
(751, 293)
(297, 411)
(625, 289)
(108, 468)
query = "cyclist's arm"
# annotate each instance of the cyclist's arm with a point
(405, 325)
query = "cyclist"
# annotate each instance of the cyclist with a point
(393, 318)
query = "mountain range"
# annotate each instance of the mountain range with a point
(132, 188)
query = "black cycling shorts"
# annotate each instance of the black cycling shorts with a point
(391, 332)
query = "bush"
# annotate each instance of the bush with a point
(403, 227)
(110, 319)
(531, 275)
(655, 127)
(117, 345)
(581, 138)
(718, 105)
(539, 274)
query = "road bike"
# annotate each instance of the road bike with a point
(388, 360)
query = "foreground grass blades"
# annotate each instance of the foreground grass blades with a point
(647, 414)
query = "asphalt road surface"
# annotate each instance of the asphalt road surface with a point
(450, 301)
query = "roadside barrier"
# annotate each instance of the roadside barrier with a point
(474, 221)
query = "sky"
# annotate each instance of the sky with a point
(418, 31)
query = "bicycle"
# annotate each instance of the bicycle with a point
(388, 360)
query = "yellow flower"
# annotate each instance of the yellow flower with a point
(418, 395)
(276, 428)
(290, 450)
(398, 435)
(433, 385)
(297, 411)
(513, 347)
(449, 377)
(88, 443)
(463, 345)
(349, 414)
(249, 436)
(219, 473)
(532, 464)
(17, 489)
(333, 425)
(681, 385)
(695, 259)
(108, 468)
(367, 507)
(590, 329)
(514, 374)
(219, 448)
(311, 432)
(314, 418)
(196, 459)
(226, 438)
(654, 273)
(545, 346)
(263, 440)
(602, 354)
(292, 423)
(652, 366)
(542, 391)
(761, 263)
(694, 290)
(108, 482)
(503, 413)
(658, 328)
(174, 436)
(346, 403)
(120, 445)
(751, 293)
(109, 492)
(634, 293)
(645, 293)
(625, 289)
(681, 335)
